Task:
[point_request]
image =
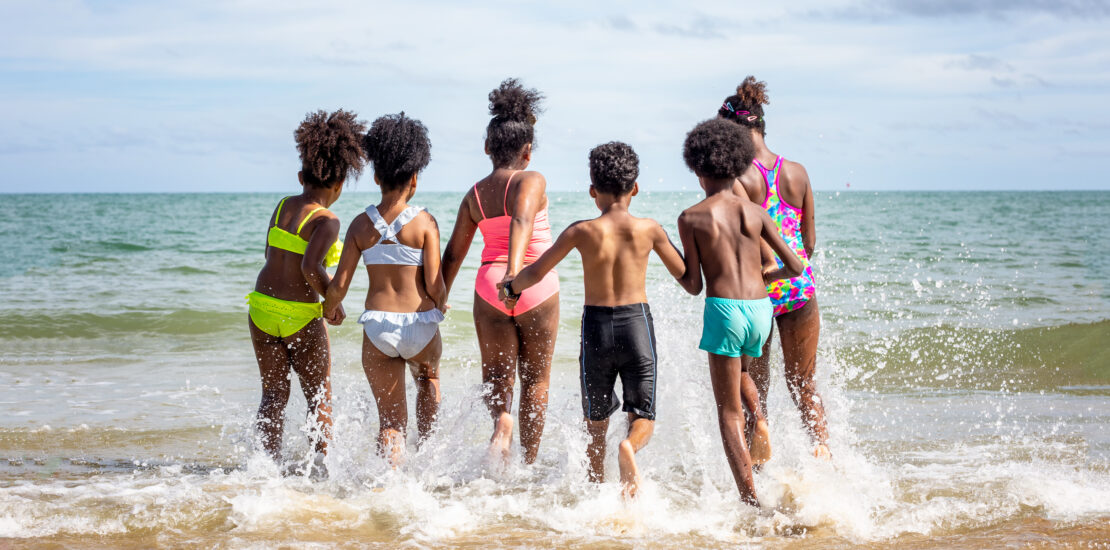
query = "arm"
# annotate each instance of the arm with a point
(433, 275)
(691, 279)
(534, 273)
(792, 264)
(668, 252)
(767, 256)
(348, 263)
(458, 246)
(312, 264)
(529, 200)
(809, 227)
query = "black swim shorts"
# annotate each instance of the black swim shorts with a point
(617, 341)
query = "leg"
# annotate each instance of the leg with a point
(725, 374)
(310, 355)
(498, 342)
(799, 331)
(387, 382)
(639, 432)
(759, 369)
(273, 366)
(537, 328)
(756, 429)
(425, 372)
(595, 449)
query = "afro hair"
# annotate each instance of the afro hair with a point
(329, 147)
(398, 147)
(718, 149)
(614, 167)
(514, 109)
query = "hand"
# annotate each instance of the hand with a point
(769, 274)
(503, 295)
(334, 314)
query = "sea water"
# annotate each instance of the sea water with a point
(963, 362)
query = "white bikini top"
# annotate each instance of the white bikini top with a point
(388, 251)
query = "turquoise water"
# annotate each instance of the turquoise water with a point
(962, 355)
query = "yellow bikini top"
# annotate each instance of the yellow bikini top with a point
(292, 242)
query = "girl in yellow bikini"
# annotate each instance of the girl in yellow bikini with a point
(286, 322)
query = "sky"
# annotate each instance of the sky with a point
(200, 95)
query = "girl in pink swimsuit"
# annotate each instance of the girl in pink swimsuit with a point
(782, 188)
(509, 207)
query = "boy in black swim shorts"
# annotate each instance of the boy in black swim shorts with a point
(617, 334)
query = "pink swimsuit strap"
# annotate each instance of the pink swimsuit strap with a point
(496, 230)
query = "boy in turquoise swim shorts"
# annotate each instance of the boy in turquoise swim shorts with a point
(721, 237)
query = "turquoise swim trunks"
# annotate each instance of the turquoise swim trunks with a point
(736, 327)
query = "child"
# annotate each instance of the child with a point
(782, 188)
(721, 236)
(618, 338)
(405, 303)
(285, 313)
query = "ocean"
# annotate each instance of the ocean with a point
(964, 363)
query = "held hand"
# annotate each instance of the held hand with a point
(767, 271)
(335, 314)
(503, 294)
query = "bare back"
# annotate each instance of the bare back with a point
(282, 276)
(398, 288)
(726, 230)
(615, 249)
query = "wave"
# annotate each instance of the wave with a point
(1067, 356)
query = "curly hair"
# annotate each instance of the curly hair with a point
(718, 149)
(746, 107)
(329, 147)
(514, 109)
(398, 147)
(614, 167)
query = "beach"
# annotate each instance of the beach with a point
(963, 362)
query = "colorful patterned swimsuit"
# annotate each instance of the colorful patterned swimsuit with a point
(786, 294)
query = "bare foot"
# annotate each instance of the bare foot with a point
(760, 448)
(630, 474)
(822, 452)
(500, 443)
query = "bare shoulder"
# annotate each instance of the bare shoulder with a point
(694, 215)
(530, 178)
(426, 218)
(646, 226)
(361, 226)
(752, 183)
(795, 176)
(581, 226)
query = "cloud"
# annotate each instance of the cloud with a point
(978, 62)
(991, 9)
(227, 82)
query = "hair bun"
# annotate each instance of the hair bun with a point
(511, 101)
(752, 92)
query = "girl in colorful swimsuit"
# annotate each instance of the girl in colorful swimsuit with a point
(286, 322)
(509, 207)
(399, 244)
(782, 188)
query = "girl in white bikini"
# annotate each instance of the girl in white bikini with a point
(399, 244)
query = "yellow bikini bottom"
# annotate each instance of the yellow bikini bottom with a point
(281, 318)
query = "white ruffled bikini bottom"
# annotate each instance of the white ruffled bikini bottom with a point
(400, 334)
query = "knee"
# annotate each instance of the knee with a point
(427, 384)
